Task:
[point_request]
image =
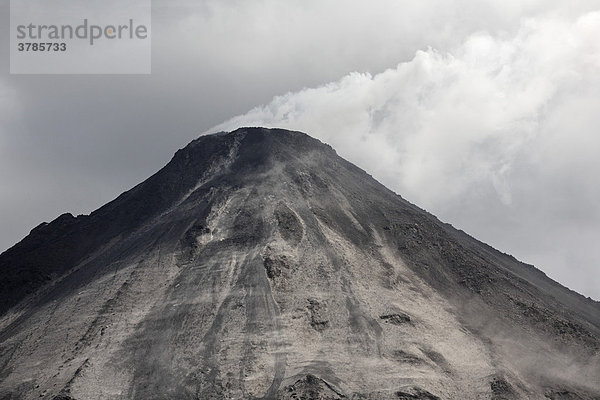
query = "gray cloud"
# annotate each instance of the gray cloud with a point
(72, 143)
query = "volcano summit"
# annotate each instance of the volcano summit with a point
(258, 264)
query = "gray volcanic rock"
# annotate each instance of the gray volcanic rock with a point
(260, 265)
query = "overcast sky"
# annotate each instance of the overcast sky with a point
(486, 113)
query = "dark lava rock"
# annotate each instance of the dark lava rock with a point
(502, 390)
(318, 314)
(289, 226)
(310, 388)
(62, 396)
(415, 393)
(438, 359)
(404, 357)
(274, 266)
(396, 318)
(564, 394)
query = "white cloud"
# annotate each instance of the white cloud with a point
(498, 135)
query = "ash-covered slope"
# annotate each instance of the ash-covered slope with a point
(259, 264)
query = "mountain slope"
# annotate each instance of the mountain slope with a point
(259, 264)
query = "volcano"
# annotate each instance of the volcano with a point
(258, 264)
